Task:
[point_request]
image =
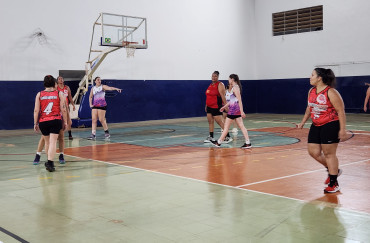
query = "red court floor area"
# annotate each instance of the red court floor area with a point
(286, 171)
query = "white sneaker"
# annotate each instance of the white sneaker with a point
(227, 140)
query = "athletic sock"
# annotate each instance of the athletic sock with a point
(247, 141)
(333, 179)
(211, 134)
(228, 135)
(106, 131)
(39, 153)
(70, 133)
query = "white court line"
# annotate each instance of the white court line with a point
(149, 139)
(255, 121)
(217, 184)
(303, 173)
(362, 133)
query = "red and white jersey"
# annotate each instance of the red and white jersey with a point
(49, 106)
(213, 96)
(322, 110)
(65, 93)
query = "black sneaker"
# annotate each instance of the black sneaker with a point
(215, 143)
(246, 146)
(92, 137)
(50, 166)
(36, 161)
(227, 140)
(61, 159)
(209, 139)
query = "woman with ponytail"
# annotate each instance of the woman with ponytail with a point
(326, 108)
(235, 111)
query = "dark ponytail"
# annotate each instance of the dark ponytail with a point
(327, 76)
(236, 79)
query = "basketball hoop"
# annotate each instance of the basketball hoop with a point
(130, 48)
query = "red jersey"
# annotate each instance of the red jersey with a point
(49, 106)
(322, 110)
(65, 93)
(213, 99)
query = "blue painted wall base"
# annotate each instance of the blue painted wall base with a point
(142, 100)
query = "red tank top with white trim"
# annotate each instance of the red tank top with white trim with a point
(65, 93)
(322, 110)
(49, 106)
(213, 96)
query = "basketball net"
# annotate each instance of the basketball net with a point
(130, 50)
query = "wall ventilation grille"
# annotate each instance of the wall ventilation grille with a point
(297, 21)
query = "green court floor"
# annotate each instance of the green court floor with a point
(94, 201)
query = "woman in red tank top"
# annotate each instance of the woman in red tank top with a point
(49, 104)
(215, 97)
(68, 98)
(326, 108)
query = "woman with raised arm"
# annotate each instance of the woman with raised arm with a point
(98, 106)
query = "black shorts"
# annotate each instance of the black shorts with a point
(53, 126)
(325, 134)
(214, 111)
(100, 108)
(233, 117)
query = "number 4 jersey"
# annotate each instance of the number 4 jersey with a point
(49, 106)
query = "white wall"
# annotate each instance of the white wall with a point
(345, 39)
(187, 39)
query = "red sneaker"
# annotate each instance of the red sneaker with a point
(327, 181)
(332, 189)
